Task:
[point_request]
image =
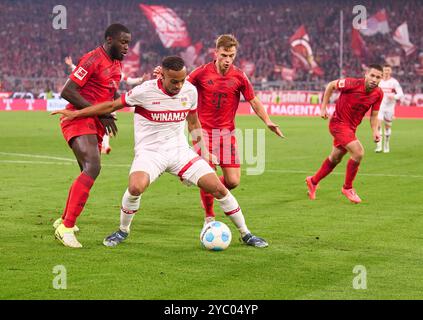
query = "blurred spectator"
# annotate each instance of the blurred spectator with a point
(32, 51)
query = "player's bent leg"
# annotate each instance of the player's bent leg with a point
(379, 143)
(85, 148)
(388, 132)
(356, 151)
(231, 177)
(86, 151)
(131, 201)
(210, 186)
(231, 208)
(326, 168)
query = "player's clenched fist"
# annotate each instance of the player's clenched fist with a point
(324, 113)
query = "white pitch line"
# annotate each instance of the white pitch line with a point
(58, 163)
(34, 162)
(34, 156)
(71, 161)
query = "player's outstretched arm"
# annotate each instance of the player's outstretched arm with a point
(137, 81)
(330, 88)
(262, 114)
(95, 110)
(374, 125)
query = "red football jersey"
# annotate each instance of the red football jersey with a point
(218, 96)
(354, 101)
(97, 75)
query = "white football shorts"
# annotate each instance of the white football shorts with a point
(386, 115)
(182, 162)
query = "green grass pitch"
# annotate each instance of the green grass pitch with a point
(314, 245)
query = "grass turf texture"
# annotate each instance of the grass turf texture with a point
(314, 245)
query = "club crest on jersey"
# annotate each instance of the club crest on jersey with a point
(341, 83)
(184, 101)
(80, 73)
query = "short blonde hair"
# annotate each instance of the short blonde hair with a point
(226, 41)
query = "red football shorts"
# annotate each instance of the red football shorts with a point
(342, 135)
(82, 126)
(224, 147)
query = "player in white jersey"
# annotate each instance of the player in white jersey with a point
(392, 92)
(161, 108)
(105, 145)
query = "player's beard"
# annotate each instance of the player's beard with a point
(116, 54)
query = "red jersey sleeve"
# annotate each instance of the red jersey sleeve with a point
(247, 89)
(84, 70)
(346, 84)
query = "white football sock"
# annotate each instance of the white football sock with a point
(231, 208)
(379, 144)
(130, 205)
(387, 138)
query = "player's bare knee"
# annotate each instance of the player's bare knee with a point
(232, 183)
(92, 169)
(335, 159)
(358, 156)
(136, 189)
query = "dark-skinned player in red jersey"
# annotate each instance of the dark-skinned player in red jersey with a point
(220, 84)
(357, 97)
(95, 79)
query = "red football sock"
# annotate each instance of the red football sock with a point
(78, 196)
(207, 200)
(324, 170)
(67, 203)
(352, 169)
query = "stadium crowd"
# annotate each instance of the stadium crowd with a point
(32, 51)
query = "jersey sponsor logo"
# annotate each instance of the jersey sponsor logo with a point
(341, 83)
(80, 73)
(162, 116)
(155, 102)
(169, 116)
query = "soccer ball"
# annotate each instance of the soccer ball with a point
(215, 236)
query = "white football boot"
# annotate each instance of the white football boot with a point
(58, 222)
(67, 236)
